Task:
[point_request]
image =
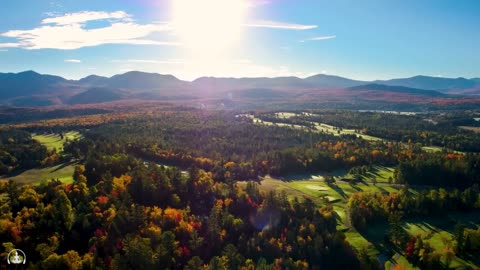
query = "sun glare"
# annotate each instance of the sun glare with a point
(209, 27)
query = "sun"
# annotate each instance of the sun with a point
(208, 27)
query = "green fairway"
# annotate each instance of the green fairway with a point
(54, 141)
(436, 231)
(62, 172)
(319, 191)
(285, 114)
(434, 149)
(319, 127)
(380, 173)
(359, 242)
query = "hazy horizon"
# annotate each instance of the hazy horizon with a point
(220, 77)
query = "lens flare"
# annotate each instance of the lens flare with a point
(209, 28)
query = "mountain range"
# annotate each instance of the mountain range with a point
(33, 89)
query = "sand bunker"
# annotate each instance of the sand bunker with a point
(314, 187)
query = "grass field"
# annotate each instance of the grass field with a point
(285, 114)
(359, 242)
(380, 173)
(62, 172)
(321, 193)
(437, 231)
(433, 149)
(54, 141)
(320, 127)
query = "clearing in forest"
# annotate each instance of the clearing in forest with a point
(436, 231)
(62, 172)
(55, 141)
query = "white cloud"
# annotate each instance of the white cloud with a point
(85, 16)
(68, 32)
(280, 25)
(75, 61)
(319, 38)
(9, 45)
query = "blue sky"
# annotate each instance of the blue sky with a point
(368, 39)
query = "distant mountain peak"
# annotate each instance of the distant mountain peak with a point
(397, 89)
(93, 76)
(27, 83)
(144, 85)
(94, 80)
(145, 74)
(28, 72)
(325, 80)
(430, 83)
(323, 75)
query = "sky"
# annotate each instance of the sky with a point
(368, 39)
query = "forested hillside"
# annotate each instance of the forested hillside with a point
(187, 189)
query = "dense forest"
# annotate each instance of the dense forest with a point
(237, 149)
(18, 151)
(161, 191)
(427, 129)
(154, 218)
(368, 208)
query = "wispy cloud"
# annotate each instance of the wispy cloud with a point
(280, 25)
(85, 16)
(9, 45)
(68, 32)
(75, 61)
(319, 38)
(149, 61)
